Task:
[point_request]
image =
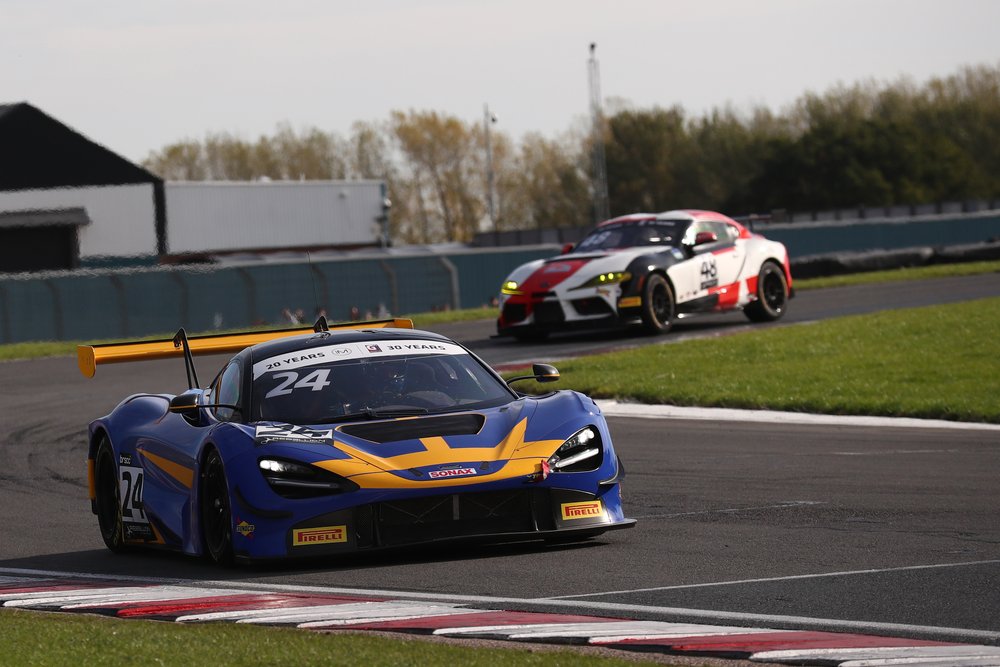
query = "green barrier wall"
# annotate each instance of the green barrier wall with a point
(101, 304)
(819, 238)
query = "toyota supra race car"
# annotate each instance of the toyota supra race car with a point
(331, 440)
(648, 269)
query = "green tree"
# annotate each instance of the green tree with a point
(443, 171)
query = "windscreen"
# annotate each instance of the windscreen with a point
(372, 379)
(635, 233)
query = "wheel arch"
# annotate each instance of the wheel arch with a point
(197, 537)
(99, 433)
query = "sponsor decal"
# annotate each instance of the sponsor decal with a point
(137, 531)
(130, 483)
(244, 528)
(709, 272)
(630, 302)
(332, 353)
(452, 472)
(321, 535)
(558, 268)
(591, 509)
(125, 459)
(265, 435)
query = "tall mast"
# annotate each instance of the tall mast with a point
(600, 173)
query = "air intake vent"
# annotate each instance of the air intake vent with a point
(413, 429)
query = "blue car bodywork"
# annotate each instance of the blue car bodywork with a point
(196, 474)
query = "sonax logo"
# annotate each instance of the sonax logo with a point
(586, 510)
(244, 527)
(451, 472)
(320, 535)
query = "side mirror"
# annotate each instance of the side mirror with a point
(568, 248)
(539, 373)
(185, 404)
(701, 238)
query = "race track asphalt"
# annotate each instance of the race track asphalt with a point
(879, 525)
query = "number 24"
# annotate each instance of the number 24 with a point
(315, 381)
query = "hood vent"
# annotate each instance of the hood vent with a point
(414, 429)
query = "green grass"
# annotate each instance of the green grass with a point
(421, 320)
(48, 640)
(897, 275)
(938, 362)
(35, 350)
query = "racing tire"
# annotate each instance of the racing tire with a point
(658, 305)
(107, 498)
(216, 514)
(772, 295)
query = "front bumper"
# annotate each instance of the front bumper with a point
(493, 516)
(593, 308)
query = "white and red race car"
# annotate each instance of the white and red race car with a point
(648, 268)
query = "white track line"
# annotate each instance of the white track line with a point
(927, 653)
(577, 606)
(603, 632)
(738, 582)
(423, 611)
(643, 411)
(348, 614)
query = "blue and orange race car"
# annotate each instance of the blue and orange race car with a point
(331, 440)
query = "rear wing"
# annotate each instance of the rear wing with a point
(89, 357)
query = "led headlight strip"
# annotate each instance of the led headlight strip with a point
(609, 278)
(583, 445)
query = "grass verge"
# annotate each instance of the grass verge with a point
(899, 275)
(47, 639)
(939, 362)
(35, 350)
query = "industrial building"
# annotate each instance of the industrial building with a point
(68, 202)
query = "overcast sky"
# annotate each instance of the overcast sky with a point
(136, 76)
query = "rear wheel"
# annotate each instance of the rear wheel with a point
(657, 305)
(216, 516)
(772, 295)
(107, 497)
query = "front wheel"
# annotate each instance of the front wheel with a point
(657, 305)
(216, 516)
(107, 498)
(772, 295)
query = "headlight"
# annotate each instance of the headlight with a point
(581, 452)
(609, 278)
(298, 480)
(510, 288)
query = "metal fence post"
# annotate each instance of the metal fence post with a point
(251, 295)
(4, 315)
(393, 287)
(185, 313)
(119, 286)
(456, 294)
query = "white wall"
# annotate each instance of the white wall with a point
(219, 216)
(122, 217)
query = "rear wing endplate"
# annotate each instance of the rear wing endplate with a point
(90, 357)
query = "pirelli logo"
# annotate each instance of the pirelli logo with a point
(321, 535)
(591, 509)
